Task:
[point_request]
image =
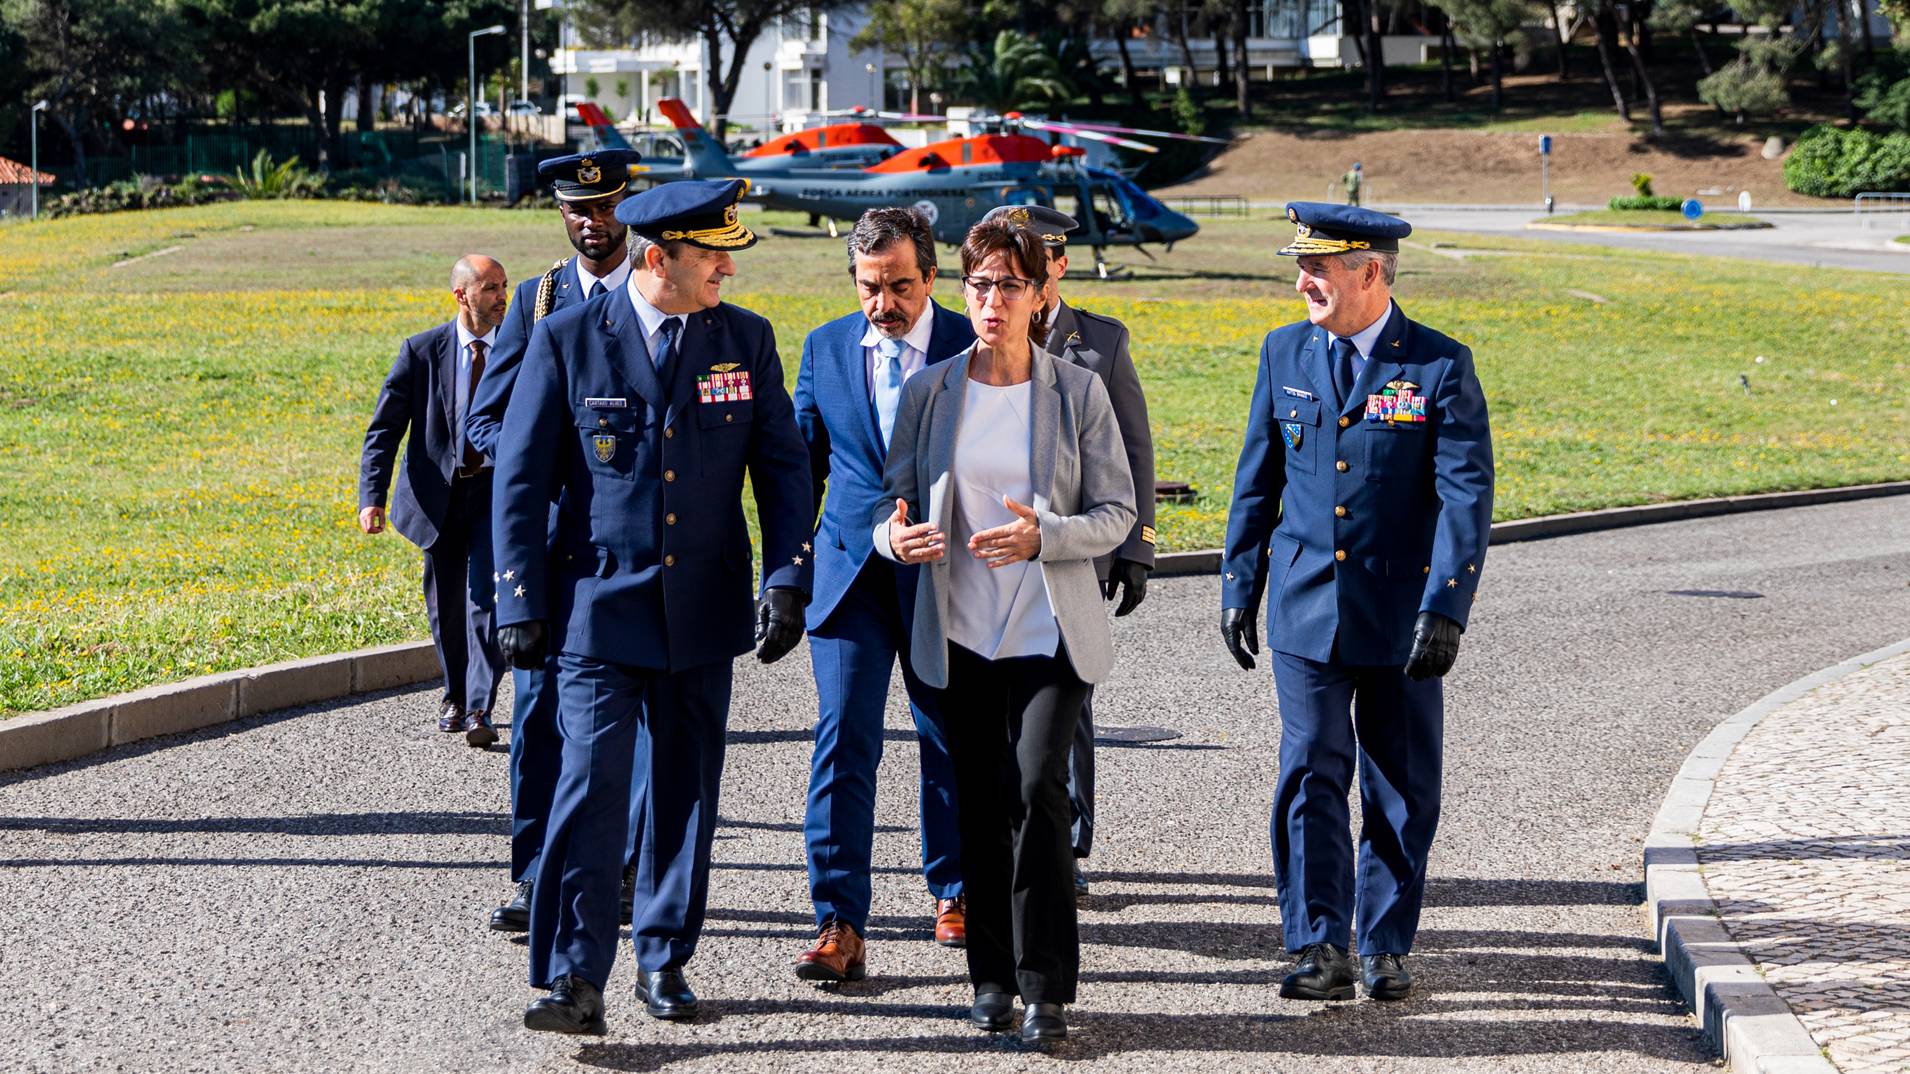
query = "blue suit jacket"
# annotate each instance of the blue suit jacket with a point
(1417, 496)
(650, 562)
(846, 454)
(420, 394)
(484, 418)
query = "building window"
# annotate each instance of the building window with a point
(1292, 19)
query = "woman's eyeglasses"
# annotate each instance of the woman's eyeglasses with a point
(1011, 287)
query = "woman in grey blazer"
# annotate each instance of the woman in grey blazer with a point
(1015, 460)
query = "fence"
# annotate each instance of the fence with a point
(1890, 210)
(1211, 205)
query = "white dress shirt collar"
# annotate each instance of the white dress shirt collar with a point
(916, 340)
(611, 280)
(1364, 339)
(649, 316)
(465, 337)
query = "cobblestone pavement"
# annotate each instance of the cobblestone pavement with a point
(306, 891)
(1806, 850)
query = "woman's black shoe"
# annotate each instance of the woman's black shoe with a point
(1043, 1023)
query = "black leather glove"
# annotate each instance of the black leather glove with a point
(523, 644)
(1435, 645)
(778, 623)
(1130, 578)
(1236, 626)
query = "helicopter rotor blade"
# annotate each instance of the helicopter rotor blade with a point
(1148, 133)
(1063, 128)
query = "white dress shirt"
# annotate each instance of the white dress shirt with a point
(462, 389)
(611, 280)
(651, 318)
(914, 349)
(995, 612)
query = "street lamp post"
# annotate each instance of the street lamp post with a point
(873, 102)
(470, 98)
(33, 121)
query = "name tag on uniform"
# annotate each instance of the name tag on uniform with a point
(726, 387)
(606, 404)
(1296, 392)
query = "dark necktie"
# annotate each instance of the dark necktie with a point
(596, 288)
(666, 348)
(1346, 368)
(472, 457)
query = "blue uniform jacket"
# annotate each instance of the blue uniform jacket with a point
(650, 562)
(484, 418)
(846, 454)
(420, 394)
(1356, 526)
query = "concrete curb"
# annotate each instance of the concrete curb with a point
(1207, 561)
(1742, 1016)
(39, 738)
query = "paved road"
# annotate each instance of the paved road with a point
(1817, 239)
(305, 892)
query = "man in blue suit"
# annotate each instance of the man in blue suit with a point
(443, 500)
(588, 187)
(1362, 505)
(847, 390)
(639, 413)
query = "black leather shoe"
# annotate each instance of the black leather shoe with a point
(1324, 972)
(573, 1006)
(993, 1011)
(627, 895)
(514, 916)
(1080, 883)
(1385, 976)
(450, 718)
(478, 732)
(1043, 1023)
(666, 995)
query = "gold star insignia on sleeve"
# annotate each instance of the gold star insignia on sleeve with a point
(1452, 583)
(1470, 569)
(1230, 576)
(806, 548)
(518, 592)
(797, 560)
(508, 575)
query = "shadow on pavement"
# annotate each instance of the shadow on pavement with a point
(402, 823)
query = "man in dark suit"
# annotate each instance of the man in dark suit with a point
(588, 187)
(847, 391)
(639, 413)
(1098, 344)
(1362, 504)
(443, 499)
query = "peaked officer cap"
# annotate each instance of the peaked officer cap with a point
(1325, 228)
(1053, 225)
(588, 176)
(701, 212)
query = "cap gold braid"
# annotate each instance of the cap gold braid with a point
(730, 233)
(1306, 243)
(564, 195)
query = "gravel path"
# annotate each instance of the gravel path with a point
(307, 891)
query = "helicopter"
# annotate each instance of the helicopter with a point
(839, 145)
(953, 183)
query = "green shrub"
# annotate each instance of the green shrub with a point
(1641, 182)
(1188, 114)
(1645, 202)
(1744, 90)
(1885, 103)
(285, 179)
(141, 192)
(1832, 163)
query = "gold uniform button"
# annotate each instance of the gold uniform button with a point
(1341, 466)
(1426, 569)
(669, 475)
(669, 433)
(601, 422)
(1293, 413)
(670, 519)
(669, 561)
(729, 417)
(1339, 512)
(1344, 422)
(1340, 555)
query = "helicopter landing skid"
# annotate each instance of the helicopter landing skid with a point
(1104, 271)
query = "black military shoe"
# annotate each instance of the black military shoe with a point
(1385, 976)
(627, 895)
(573, 1006)
(514, 916)
(993, 1011)
(1043, 1023)
(666, 994)
(1324, 972)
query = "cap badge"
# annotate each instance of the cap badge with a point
(1018, 217)
(1302, 231)
(588, 172)
(729, 215)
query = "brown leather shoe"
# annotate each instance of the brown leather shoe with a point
(478, 731)
(951, 921)
(450, 718)
(837, 956)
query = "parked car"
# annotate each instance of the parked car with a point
(525, 108)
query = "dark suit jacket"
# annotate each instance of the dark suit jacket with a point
(484, 418)
(846, 454)
(420, 395)
(1351, 524)
(1099, 345)
(650, 564)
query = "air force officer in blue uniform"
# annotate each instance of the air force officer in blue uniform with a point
(847, 393)
(640, 412)
(588, 187)
(1361, 509)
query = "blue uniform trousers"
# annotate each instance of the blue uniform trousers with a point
(626, 731)
(536, 758)
(457, 596)
(853, 654)
(1395, 731)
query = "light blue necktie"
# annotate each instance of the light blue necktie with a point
(888, 384)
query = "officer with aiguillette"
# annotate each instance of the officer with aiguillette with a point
(1362, 505)
(640, 412)
(588, 188)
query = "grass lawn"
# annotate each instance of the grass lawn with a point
(1651, 220)
(183, 395)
